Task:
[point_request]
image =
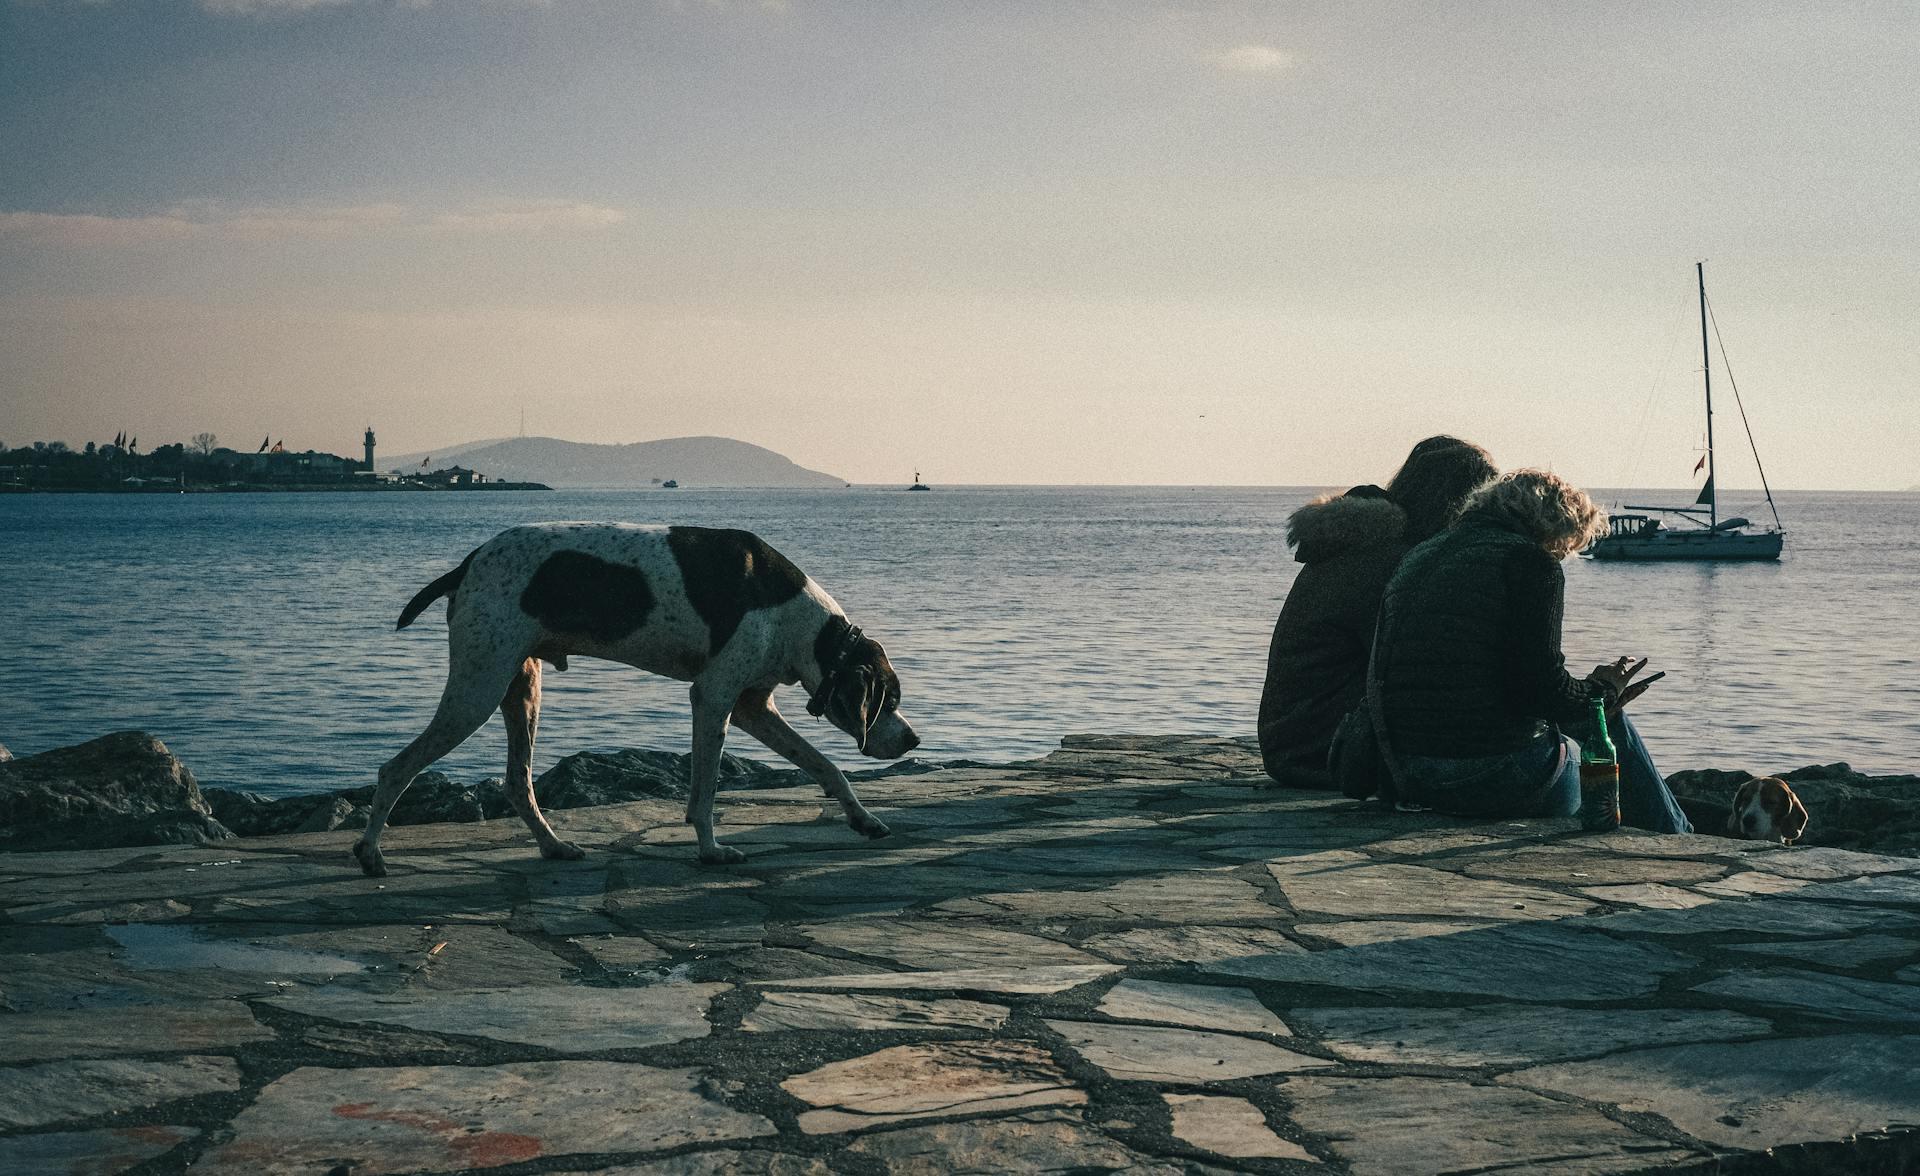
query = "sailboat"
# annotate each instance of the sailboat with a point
(917, 483)
(1706, 535)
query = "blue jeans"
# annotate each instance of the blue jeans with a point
(1539, 781)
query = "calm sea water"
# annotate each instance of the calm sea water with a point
(254, 633)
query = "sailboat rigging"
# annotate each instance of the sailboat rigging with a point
(1643, 537)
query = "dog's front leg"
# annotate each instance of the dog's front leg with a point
(710, 709)
(757, 716)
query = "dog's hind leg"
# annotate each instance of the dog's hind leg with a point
(710, 709)
(755, 714)
(466, 702)
(521, 710)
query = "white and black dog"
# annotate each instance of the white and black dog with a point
(719, 609)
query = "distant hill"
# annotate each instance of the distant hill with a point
(692, 461)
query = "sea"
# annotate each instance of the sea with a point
(254, 633)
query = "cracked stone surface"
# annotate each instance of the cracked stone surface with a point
(103, 1152)
(917, 1081)
(569, 1020)
(1512, 1035)
(449, 1118)
(55, 1092)
(1393, 1126)
(1128, 956)
(1755, 1094)
(1037, 1141)
(834, 1010)
(1199, 1006)
(1155, 1054)
(1229, 1127)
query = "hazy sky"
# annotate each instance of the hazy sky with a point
(1250, 242)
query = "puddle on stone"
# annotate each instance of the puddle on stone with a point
(171, 947)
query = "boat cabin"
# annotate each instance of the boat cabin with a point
(1632, 526)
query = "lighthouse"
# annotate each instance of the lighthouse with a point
(369, 449)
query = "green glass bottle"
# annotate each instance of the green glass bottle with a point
(1599, 776)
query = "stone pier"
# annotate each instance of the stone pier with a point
(1125, 957)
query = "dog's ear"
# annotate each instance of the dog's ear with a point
(1793, 822)
(1740, 800)
(855, 704)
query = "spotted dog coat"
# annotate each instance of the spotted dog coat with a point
(719, 609)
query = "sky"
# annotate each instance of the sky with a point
(1001, 242)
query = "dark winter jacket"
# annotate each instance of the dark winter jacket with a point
(1317, 662)
(1469, 659)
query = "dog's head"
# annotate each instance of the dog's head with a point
(859, 692)
(1767, 810)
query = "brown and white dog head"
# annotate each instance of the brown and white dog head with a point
(1767, 810)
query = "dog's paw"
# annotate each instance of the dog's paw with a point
(564, 851)
(868, 825)
(372, 863)
(721, 855)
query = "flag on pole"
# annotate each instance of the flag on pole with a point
(264, 442)
(1701, 464)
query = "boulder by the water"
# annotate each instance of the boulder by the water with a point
(120, 789)
(5, 755)
(614, 777)
(1845, 808)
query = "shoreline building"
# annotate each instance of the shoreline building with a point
(369, 441)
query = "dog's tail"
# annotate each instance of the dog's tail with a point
(444, 586)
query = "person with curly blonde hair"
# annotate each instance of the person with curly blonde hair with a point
(1472, 696)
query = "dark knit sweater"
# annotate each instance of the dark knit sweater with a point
(1469, 659)
(1317, 661)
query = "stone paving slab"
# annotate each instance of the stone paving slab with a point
(454, 1118)
(1129, 956)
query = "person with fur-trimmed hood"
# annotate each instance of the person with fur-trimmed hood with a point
(1350, 545)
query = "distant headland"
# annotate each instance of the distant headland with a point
(203, 465)
(691, 461)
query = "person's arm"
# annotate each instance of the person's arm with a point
(1536, 670)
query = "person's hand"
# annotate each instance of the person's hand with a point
(1615, 676)
(1636, 690)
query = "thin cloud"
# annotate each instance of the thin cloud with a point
(1254, 59)
(212, 221)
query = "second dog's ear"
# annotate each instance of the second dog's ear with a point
(1793, 822)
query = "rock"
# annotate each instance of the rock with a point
(1229, 1127)
(1845, 808)
(55, 1092)
(82, 1033)
(919, 1081)
(1391, 1126)
(842, 1011)
(1197, 1006)
(567, 1020)
(100, 794)
(615, 777)
(1046, 1141)
(5, 755)
(1512, 1035)
(433, 798)
(1012, 981)
(454, 1118)
(331, 815)
(99, 1152)
(1755, 1094)
(1144, 1053)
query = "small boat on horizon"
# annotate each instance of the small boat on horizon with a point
(1641, 536)
(669, 484)
(917, 483)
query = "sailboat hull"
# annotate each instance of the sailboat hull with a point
(1689, 545)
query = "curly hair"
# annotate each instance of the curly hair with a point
(1433, 483)
(1544, 507)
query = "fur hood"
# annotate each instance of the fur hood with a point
(1334, 524)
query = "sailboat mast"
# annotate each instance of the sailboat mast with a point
(1706, 379)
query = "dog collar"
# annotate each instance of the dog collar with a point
(817, 701)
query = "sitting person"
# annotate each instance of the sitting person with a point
(1472, 688)
(1350, 544)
